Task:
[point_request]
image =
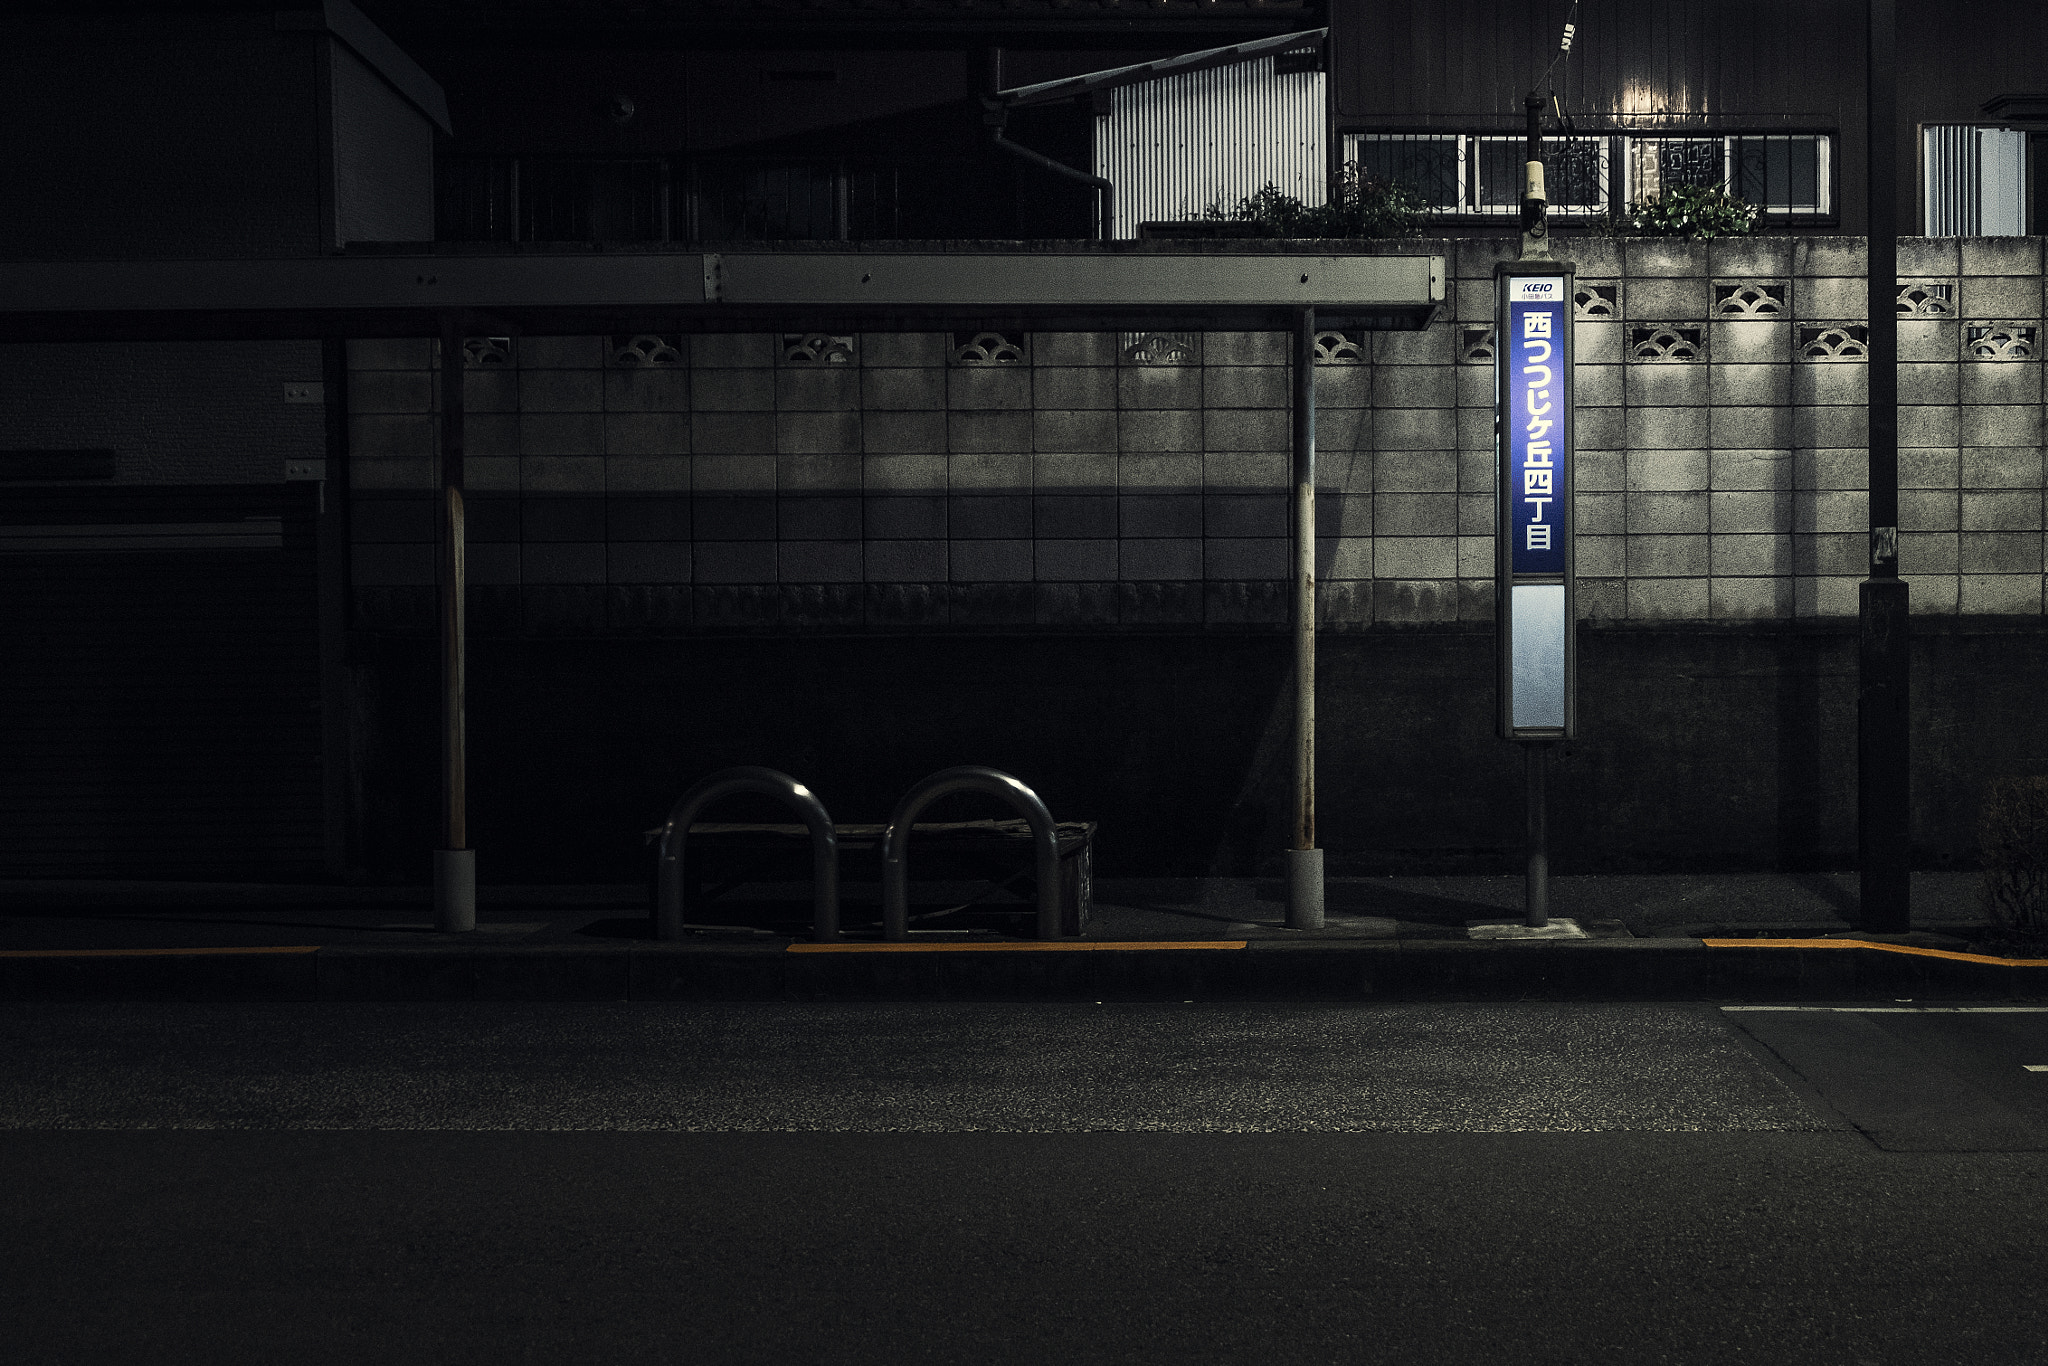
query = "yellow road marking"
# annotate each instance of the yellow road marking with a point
(152, 953)
(1868, 944)
(1048, 946)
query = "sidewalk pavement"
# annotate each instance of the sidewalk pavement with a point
(1627, 937)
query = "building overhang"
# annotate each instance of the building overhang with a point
(1229, 286)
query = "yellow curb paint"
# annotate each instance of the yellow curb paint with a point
(1055, 946)
(152, 953)
(1867, 944)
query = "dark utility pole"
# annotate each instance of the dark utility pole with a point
(454, 861)
(1304, 860)
(1884, 827)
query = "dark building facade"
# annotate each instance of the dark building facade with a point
(860, 557)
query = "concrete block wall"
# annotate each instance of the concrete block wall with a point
(1097, 481)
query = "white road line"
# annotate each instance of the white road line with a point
(1903, 1010)
(2035, 1066)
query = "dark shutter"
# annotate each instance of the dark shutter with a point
(159, 683)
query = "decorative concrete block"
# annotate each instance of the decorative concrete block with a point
(1160, 430)
(902, 389)
(1157, 558)
(1476, 513)
(1415, 429)
(991, 561)
(561, 433)
(988, 471)
(497, 473)
(647, 562)
(923, 561)
(1475, 469)
(727, 433)
(1595, 386)
(1927, 256)
(1750, 510)
(1826, 597)
(561, 391)
(1752, 385)
(2001, 256)
(1073, 387)
(1921, 426)
(1592, 256)
(561, 353)
(1843, 426)
(1666, 429)
(903, 516)
(386, 436)
(1415, 557)
(919, 473)
(1345, 386)
(988, 431)
(1415, 472)
(1831, 299)
(1920, 382)
(1824, 256)
(1602, 599)
(819, 473)
(1929, 510)
(394, 391)
(2001, 467)
(1472, 300)
(840, 561)
(1160, 514)
(1736, 555)
(1593, 343)
(1475, 557)
(1750, 257)
(1430, 346)
(2001, 510)
(1247, 429)
(1079, 348)
(1246, 514)
(1666, 512)
(1153, 472)
(1414, 386)
(1074, 516)
(993, 388)
(819, 388)
(2002, 296)
(733, 517)
(1475, 430)
(483, 391)
(1415, 514)
(1247, 470)
(904, 433)
(391, 353)
(1832, 553)
(1342, 430)
(647, 433)
(1830, 469)
(735, 562)
(1846, 382)
(1596, 514)
(818, 433)
(2000, 594)
(1600, 555)
(644, 389)
(642, 517)
(1655, 556)
(1750, 428)
(732, 391)
(1602, 429)
(494, 566)
(828, 517)
(2001, 425)
(1082, 561)
(1663, 256)
(405, 519)
(1074, 430)
(1767, 469)
(1927, 339)
(563, 519)
(1244, 557)
(1930, 552)
(1931, 594)
(1223, 386)
(1830, 510)
(1246, 348)
(1671, 471)
(1746, 599)
(1989, 383)
(1928, 469)
(1749, 341)
(1473, 258)
(1349, 558)
(1593, 471)
(491, 434)
(1666, 385)
(562, 474)
(1676, 299)
(1668, 599)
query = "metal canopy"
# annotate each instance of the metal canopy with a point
(1059, 288)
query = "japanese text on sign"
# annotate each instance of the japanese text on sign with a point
(1534, 425)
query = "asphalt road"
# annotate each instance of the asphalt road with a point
(1009, 1183)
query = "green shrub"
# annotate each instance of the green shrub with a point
(1359, 206)
(2012, 838)
(1698, 212)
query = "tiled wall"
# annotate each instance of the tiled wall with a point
(1123, 481)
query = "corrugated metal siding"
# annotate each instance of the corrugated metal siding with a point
(160, 707)
(1174, 146)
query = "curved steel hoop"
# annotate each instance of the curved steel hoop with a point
(668, 897)
(968, 778)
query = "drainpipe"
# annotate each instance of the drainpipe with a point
(995, 116)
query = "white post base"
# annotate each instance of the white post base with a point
(454, 890)
(1304, 889)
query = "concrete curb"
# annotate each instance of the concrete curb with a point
(1261, 970)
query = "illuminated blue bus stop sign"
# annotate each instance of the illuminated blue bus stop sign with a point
(1533, 602)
